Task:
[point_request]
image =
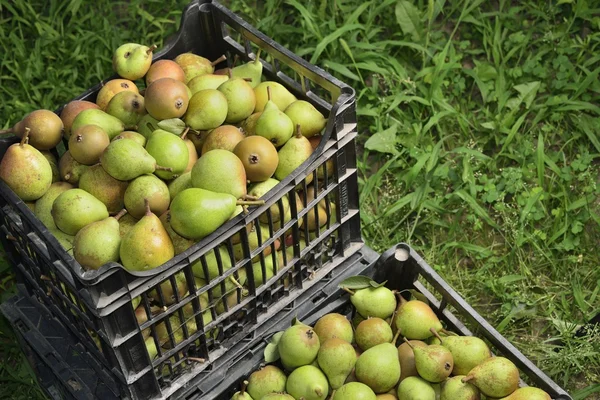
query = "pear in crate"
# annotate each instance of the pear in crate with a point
(269, 379)
(96, 181)
(164, 69)
(307, 382)
(194, 65)
(254, 243)
(207, 110)
(293, 153)
(259, 156)
(220, 171)
(109, 124)
(251, 71)
(415, 319)
(147, 245)
(273, 124)
(467, 352)
(53, 164)
(166, 98)
(208, 81)
(135, 136)
(277, 396)
(374, 302)
(45, 129)
(70, 170)
(454, 389)
(271, 266)
(75, 208)
(132, 60)
(407, 358)
(71, 110)
(170, 151)
(434, 363)
(307, 116)
(298, 346)
(125, 224)
(182, 182)
(415, 388)
(43, 205)
(87, 143)
(334, 325)
(373, 331)
(180, 244)
(528, 393)
(281, 96)
(125, 159)
(146, 187)
(146, 125)
(259, 190)
(113, 87)
(25, 170)
(128, 107)
(354, 391)
(168, 290)
(241, 99)
(242, 394)
(249, 124)
(98, 243)
(65, 240)
(495, 377)
(192, 152)
(328, 167)
(336, 359)
(224, 137)
(379, 367)
(212, 264)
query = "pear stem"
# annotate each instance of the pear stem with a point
(235, 282)
(268, 92)
(467, 378)
(218, 60)
(147, 207)
(120, 214)
(395, 339)
(250, 202)
(409, 343)
(332, 394)
(151, 49)
(184, 134)
(243, 388)
(161, 168)
(349, 291)
(257, 59)
(437, 335)
(298, 131)
(25, 138)
(6, 131)
(196, 359)
(229, 73)
(249, 197)
(445, 332)
(401, 299)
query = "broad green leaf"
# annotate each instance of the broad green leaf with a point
(409, 20)
(527, 92)
(384, 141)
(271, 353)
(276, 337)
(173, 125)
(356, 282)
(376, 285)
(510, 279)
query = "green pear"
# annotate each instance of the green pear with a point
(528, 393)
(263, 275)
(308, 383)
(194, 65)
(467, 352)
(212, 264)
(109, 124)
(307, 116)
(69, 169)
(53, 165)
(373, 331)
(251, 70)
(97, 182)
(169, 151)
(434, 363)
(65, 240)
(293, 153)
(379, 367)
(374, 302)
(208, 81)
(146, 125)
(132, 60)
(273, 124)
(230, 285)
(146, 187)
(128, 107)
(254, 243)
(207, 110)
(111, 88)
(415, 388)
(354, 391)
(334, 325)
(135, 136)
(495, 377)
(125, 224)
(71, 110)
(180, 244)
(415, 320)
(241, 99)
(125, 159)
(277, 396)
(43, 205)
(147, 245)
(281, 96)
(75, 208)
(220, 171)
(170, 292)
(242, 394)
(26, 171)
(336, 359)
(407, 358)
(269, 379)
(455, 389)
(151, 347)
(182, 182)
(248, 126)
(260, 189)
(98, 243)
(298, 346)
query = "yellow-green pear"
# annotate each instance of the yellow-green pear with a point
(268, 379)
(310, 119)
(132, 60)
(207, 110)
(281, 96)
(208, 81)
(75, 208)
(98, 243)
(43, 205)
(336, 359)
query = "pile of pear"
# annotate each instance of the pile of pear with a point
(390, 350)
(166, 154)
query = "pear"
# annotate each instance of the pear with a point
(167, 98)
(308, 383)
(125, 159)
(135, 136)
(96, 181)
(109, 124)
(259, 156)
(414, 319)
(98, 243)
(407, 358)
(248, 126)
(182, 182)
(467, 352)
(207, 110)
(87, 143)
(111, 88)
(277, 396)
(281, 96)
(128, 107)
(53, 165)
(147, 187)
(251, 71)
(192, 152)
(317, 216)
(132, 60)
(44, 126)
(494, 377)
(164, 69)
(455, 389)
(528, 393)
(125, 224)
(231, 284)
(298, 346)
(180, 244)
(146, 126)
(374, 302)
(336, 359)
(170, 151)
(379, 367)
(241, 99)
(273, 124)
(224, 137)
(69, 169)
(277, 210)
(220, 171)
(208, 81)
(194, 65)
(65, 240)
(293, 153)
(307, 116)
(71, 110)
(43, 205)
(26, 171)
(434, 363)
(171, 292)
(415, 388)
(212, 264)
(242, 394)
(354, 391)
(262, 275)
(373, 331)
(334, 325)
(254, 241)
(269, 379)
(329, 167)
(147, 245)
(75, 208)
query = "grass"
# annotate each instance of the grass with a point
(479, 139)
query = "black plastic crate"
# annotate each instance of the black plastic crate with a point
(97, 305)
(403, 269)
